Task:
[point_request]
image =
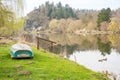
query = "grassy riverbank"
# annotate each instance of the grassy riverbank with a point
(44, 66)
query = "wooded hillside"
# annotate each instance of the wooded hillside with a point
(41, 16)
(57, 16)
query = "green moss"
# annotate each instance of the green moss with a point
(44, 66)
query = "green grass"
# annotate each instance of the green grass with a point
(44, 66)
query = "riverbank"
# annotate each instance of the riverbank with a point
(44, 66)
(94, 32)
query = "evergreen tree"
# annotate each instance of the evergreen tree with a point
(104, 15)
(58, 11)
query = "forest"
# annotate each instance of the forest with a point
(59, 18)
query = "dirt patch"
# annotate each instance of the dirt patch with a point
(25, 72)
(30, 62)
(59, 79)
(18, 67)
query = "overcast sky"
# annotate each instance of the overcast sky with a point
(81, 4)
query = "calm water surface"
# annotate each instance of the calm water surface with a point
(93, 60)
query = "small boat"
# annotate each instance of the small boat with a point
(20, 50)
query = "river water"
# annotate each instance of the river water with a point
(93, 60)
(100, 53)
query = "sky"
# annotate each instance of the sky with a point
(77, 4)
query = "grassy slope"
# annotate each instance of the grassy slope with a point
(44, 66)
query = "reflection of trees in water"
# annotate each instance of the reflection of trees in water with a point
(89, 42)
(105, 48)
(65, 47)
(83, 42)
(86, 44)
(71, 48)
(60, 49)
(118, 47)
(68, 43)
(56, 49)
(115, 41)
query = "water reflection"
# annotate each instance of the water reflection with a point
(73, 43)
(64, 50)
(104, 47)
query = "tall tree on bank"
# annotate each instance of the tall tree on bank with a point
(103, 16)
(9, 22)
